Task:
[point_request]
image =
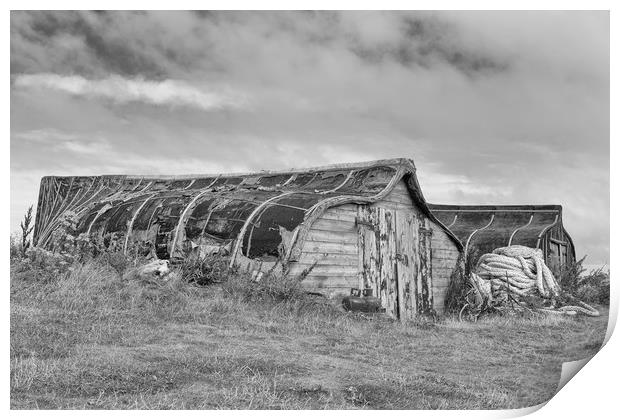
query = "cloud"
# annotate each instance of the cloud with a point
(160, 45)
(494, 107)
(94, 43)
(47, 135)
(122, 90)
(85, 148)
(54, 141)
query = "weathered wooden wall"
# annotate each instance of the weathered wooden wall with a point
(445, 257)
(332, 245)
(557, 248)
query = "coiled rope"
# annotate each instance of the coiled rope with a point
(521, 271)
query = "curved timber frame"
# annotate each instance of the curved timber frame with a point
(245, 213)
(519, 228)
(535, 226)
(476, 231)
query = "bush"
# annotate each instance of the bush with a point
(571, 276)
(594, 287)
(591, 288)
(20, 243)
(41, 265)
(15, 247)
(270, 287)
(457, 288)
(204, 270)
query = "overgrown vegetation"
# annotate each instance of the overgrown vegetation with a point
(203, 271)
(591, 287)
(20, 243)
(457, 287)
(83, 336)
(26, 226)
(86, 334)
(576, 283)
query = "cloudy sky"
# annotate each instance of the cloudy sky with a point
(494, 107)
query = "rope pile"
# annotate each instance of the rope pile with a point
(518, 271)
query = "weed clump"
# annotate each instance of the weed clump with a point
(270, 287)
(204, 271)
(457, 287)
(21, 243)
(592, 287)
(42, 266)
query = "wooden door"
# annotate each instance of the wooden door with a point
(368, 246)
(563, 256)
(387, 258)
(554, 258)
(424, 272)
(406, 263)
(377, 255)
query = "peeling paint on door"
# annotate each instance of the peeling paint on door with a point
(389, 261)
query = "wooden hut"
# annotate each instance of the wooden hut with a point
(485, 228)
(362, 225)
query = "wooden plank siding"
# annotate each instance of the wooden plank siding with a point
(557, 249)
(445, 257)
(332, 246)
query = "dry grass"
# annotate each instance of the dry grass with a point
(87, 339)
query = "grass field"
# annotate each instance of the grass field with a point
(92, 340)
